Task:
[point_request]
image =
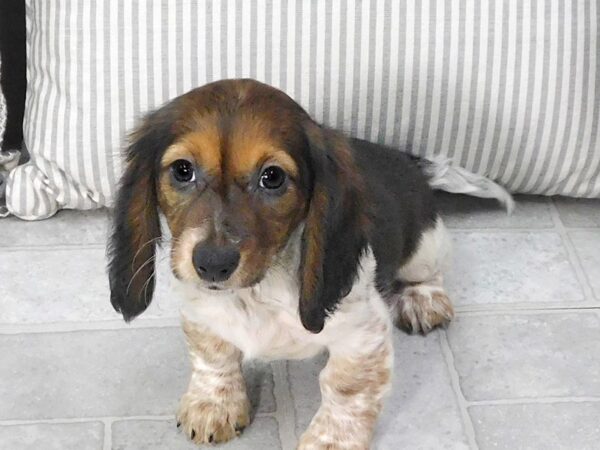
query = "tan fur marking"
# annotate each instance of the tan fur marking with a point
(175, 152)
(250, 147)
(140, 210)
(210, 347)
(205, 146)
(314, 237)
(169, 198)
(215, 408)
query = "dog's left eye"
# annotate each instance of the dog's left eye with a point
(272, 177)
(183, 171)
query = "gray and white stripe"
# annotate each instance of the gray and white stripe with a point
(509, 89)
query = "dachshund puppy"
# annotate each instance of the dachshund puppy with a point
(287, 239)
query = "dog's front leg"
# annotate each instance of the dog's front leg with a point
(215, 407)
(353, 385)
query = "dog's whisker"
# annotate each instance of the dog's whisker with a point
(150, 241)
(147, 283)
(149, 260)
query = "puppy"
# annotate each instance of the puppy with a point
(287, 239)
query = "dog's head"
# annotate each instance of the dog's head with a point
(236, 167)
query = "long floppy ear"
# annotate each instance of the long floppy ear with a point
(335, 233)
(136, 225)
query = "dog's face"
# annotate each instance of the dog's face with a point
(236, 167)
(232, 189)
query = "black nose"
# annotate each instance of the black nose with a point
(215, 263)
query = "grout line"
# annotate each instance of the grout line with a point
(572, 254)
(509, 309)
(514, 230)
(100, 325)
(103, 419)
(83, 419)
(285, 413)
(107, 435)
(533, 400)
(590, 228)
(53, 247)
(468, 427)
(587, 285)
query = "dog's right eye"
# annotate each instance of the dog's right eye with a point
(183, 171)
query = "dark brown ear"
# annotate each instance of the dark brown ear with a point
(335, 230)
(136, 225)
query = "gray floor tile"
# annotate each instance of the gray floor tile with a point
(564, 426)
(60, 436)
(162, 435)
(505, 268)
(101, 373)
(260, 384)
(421, 412)
(52, 285)
(66, 227)
(587, 246)
(461, 211)
(303, 376)
(579, 212)
(525, 356)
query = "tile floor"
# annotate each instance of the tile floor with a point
(518, 369)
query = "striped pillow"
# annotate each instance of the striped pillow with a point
(510, 90)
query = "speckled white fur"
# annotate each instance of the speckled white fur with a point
(263, 322)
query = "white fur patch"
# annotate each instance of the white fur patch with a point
(428, 260)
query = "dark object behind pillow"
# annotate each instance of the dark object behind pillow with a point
(13, 79)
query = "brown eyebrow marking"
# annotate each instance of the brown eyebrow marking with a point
(203, 147)
(282, 159)
(173, 153)
(251, 145)
(247, 146)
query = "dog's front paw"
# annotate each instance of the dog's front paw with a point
(328, 432)
(423, 307)
(319, 438)
(205, 421)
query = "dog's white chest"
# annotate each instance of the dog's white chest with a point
(262, 322)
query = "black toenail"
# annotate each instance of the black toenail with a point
(178, 424)
(210, 438)
(193, 434)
